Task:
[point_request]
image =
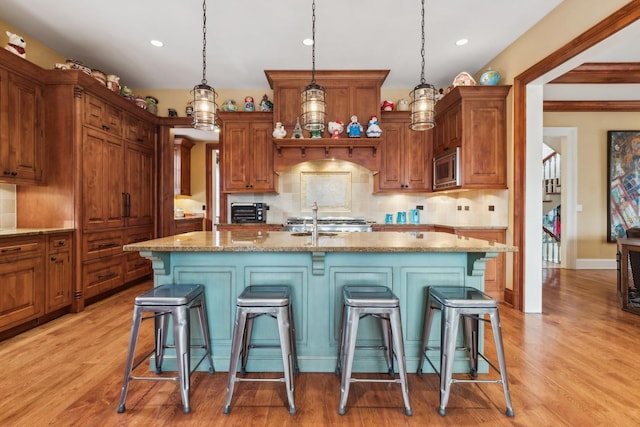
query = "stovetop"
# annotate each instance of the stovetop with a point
(327, 220)
(328, 223)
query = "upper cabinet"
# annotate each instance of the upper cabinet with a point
(474, 119)
(182, 166)
(21, 122)
(247, 153)
(405, 156)
(348, 93)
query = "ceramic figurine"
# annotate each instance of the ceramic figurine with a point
(335, 128)
(355, 128)
(297, 130)
(490, 78)
(249, 105)
(316, 133)
(265, 104)
(16, 45)
(279, 131)
(229, 105)
(373, 129)
(387, 106)
(439, 95)
(464, 79)
(403, 105)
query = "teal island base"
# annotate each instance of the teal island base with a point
(316, 278)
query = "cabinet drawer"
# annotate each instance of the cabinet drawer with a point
(19, 249)
(102, 244)
(101, 115)
(102, 275)
(59, 243)
(135, 235)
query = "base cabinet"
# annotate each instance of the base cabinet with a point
(59, 289)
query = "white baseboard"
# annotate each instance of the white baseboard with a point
(596, 264)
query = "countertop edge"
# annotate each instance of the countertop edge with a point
(20, 232)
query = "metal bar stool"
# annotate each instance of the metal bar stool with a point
(254, 301)
(164, 301)
(378, 301)
(472, 305)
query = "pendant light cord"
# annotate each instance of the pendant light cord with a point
(313, 39)
(204, 42)
(422, 80)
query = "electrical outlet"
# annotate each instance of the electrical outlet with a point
(420, 207)
(466, 208)
(459, 207)
(492, 208)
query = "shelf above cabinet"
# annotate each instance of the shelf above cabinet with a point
(328, 144)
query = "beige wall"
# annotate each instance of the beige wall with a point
(37, 53)
(592, 174)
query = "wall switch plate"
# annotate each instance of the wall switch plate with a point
(420, 207)
(459, 207)
(492, 208)
(466, 208)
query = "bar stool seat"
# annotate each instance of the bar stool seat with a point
(255, 301)
(378, 301)
(472, 305)
(166, 301)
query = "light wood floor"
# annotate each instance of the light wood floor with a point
(577, 364)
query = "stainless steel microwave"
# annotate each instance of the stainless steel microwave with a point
(446, 170)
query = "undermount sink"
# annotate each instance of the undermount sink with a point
(308, 233)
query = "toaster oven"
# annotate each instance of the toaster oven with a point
(249, 212)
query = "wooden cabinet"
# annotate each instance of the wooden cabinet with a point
(474, 119)
(247, 153)
(495, 275)
(136, 265)
(59, 289)
(187, 224)
(182, 166)
(100, 179)
(348, 93)
(22, 281)
(21, 125)
(103, 180)
(405, 156)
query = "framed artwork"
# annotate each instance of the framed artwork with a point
(623, 177)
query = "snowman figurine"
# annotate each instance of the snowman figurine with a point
(279, 131)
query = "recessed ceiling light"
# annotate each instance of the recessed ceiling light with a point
(307, 42)
(157, 43)
(462, 42)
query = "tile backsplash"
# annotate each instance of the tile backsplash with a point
(7, 206)
(346, 189)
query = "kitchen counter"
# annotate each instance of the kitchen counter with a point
(281, 241)
(225, 262)
(18, 232)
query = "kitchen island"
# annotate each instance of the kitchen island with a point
(316, 270)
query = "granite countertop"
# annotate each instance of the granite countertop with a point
(282, 241)
(18, 232)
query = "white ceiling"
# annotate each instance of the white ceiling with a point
(246, 37)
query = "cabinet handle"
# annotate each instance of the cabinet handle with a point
(105, 127)
(140, 239)
(106, 245)
(106, 275)
(14, 173)
(53, 258)
(140, 139)
(60, 243)
(140, 264)
(9, 250)
(7, 173)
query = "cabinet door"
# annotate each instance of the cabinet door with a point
(58, 272)
(21, 291)
(138, 185)
(102, 181)
(5, 169)
(102, 115)
(235, 165)
(390, 176)
(260, 151)
(417, 156)
(25, 133)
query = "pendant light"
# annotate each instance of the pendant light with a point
(204, 96)
(423, 97)
(313, 96)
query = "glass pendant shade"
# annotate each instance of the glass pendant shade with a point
(423, 100)
(313, 107)
(204, 107)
